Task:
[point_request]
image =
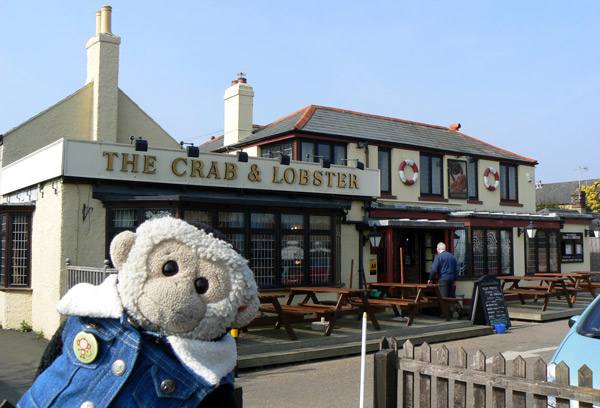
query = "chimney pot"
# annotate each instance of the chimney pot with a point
(455, 127)
(234, 82)
(98, 22)
(241, 80)
(106, 16)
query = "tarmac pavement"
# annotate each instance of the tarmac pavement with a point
(20, 355)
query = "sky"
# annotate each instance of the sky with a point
(521, 75)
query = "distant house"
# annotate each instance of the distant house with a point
(560, 193)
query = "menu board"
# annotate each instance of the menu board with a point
(488, 305)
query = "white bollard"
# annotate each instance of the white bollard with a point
(363, 355)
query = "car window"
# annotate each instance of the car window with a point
(590, 327)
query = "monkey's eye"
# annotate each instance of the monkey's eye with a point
(201, 285)
(170, 268)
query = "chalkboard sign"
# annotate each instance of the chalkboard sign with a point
(488, 306)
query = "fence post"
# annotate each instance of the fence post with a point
(584, 379)
(519, 370)
(385, 375)
(408, 378)
(443, 391)
(498, 394)
(562, 377)
(424, 354)
(540, 373)
(460, 387)
(479, 389)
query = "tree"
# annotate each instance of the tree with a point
(592, 197)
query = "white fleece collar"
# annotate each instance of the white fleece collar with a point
(211, 360)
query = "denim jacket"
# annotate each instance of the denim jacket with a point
(131, 369)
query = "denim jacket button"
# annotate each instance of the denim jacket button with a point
(119, 367)
(168, 386)
(88, 404)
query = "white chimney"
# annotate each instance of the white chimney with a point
(238, 111)
(103, 73)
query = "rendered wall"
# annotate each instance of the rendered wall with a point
(47, 259)
(15, 307)
(69, 118)
(133, 121)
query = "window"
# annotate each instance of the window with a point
(492, 251)
(316, 151)
(283, 249)
(508, 182)
(128, 219)
(384, 164)
(460, 250)
(541, 252)
(15, 252)
(277, 149)
(431, 175)
(472, 179)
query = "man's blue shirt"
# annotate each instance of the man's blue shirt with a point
(446, 265)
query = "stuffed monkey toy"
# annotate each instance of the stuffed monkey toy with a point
(157, 333)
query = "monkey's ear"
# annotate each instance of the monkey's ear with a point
(120, 247)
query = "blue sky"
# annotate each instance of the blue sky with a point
(521, 75)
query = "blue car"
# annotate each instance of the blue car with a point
(580, 346)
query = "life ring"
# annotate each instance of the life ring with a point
(415, 170)
(486, 180)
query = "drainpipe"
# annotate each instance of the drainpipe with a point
(361, 243)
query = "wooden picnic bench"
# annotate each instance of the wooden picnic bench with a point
(427, 295)
(539, 286)
(575, 282)
(349, 301)
(269, 304)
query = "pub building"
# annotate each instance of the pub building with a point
(323, 197)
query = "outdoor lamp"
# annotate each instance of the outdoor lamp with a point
(359, 165)
(325, 163)
(242, 157)
(594, 230)
(375, 238)
(192, 151)
(531, 230)
(141, 145)
(284, 159)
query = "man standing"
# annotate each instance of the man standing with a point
(446, 267)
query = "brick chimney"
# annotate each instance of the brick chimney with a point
(103, 73)
(578, 201)
(238, 111)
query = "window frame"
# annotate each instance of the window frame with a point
(472, 180)
(507, 182)
(387, 153)
(428, 170)
(7, 270)
(486, 252)
(316, 153)
(527, 243)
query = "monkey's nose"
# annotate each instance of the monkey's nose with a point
(201, 285)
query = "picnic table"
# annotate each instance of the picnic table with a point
(349, 301)
(427, 295)
(538, 286)
(576, 281)
(269, 303)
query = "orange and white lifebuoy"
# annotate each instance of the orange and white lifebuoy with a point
(486, 179)
(415, 169)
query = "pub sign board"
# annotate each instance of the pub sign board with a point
(571, 244)
(488, 306)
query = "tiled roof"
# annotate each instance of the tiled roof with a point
(378, 129)
(560, 192)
